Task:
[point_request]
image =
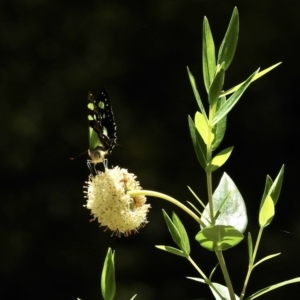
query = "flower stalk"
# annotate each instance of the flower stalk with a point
(170, 199)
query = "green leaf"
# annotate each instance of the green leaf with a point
(273, 287)
(172, 229)
(196, 93)
(198, 143)
(217, 85)
(266, 212)
(268, 185)
(194, 194)
(219, 160)
(178, 232)
(250, 248)
(228, 205)
(265, 258)
(133, 297)
(276, 186)
(194, 207)
(184, 242)
(208, 55)
(108, 284)
(223, 290)
(172, 250)
(228, 46)
(231, 102)
(272, 192)
(213, 271)
(219, 237)
(220, 128)
(258, 75)
(201, 125)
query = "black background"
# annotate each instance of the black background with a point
(52, 53)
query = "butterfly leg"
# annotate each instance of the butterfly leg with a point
(105, 163)
(91, 167)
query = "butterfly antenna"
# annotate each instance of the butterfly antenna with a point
(72, 158)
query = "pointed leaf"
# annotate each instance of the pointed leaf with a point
(194, 194)
(196, 93)
(172, 229)
(268, 185)
(172, 250)
(273, 287)
(198, 143)
(228, 46)
(276, 186)
(208, 55)
(267, 209)
(266, 212)
(194, 207)
(213, 271)
(223, 290)
(211, 285)
(108, 284)
(133, 297)
(265, 258)
(231, 102)
(216, 86)
(258, 75)
(219, 237)
(220, 128)
(220, 288)
(185, 244)
(197, 279)
(230, 204)
(202, 126)
(219, 160)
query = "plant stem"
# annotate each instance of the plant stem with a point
(210, 200)
(212, 111)
(225, 274)
(251, 263)
(170, 199)
(207, 280)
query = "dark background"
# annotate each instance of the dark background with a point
(52, 53)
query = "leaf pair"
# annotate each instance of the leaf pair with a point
(270, 198)
(226, 51)
(179, 236)
(108, 282)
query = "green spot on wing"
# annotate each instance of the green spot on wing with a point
(94, 139)
(90, 106)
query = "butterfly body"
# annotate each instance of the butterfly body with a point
(102, 127)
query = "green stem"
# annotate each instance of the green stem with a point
(251, 263)
(212, 112)
(210, 200)
(207, 280)
(168, 198)
(225, 274)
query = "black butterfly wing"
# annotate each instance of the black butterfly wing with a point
(102, 126)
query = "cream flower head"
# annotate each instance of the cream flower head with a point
(108, 201)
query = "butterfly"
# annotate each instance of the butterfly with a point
(102, 127)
